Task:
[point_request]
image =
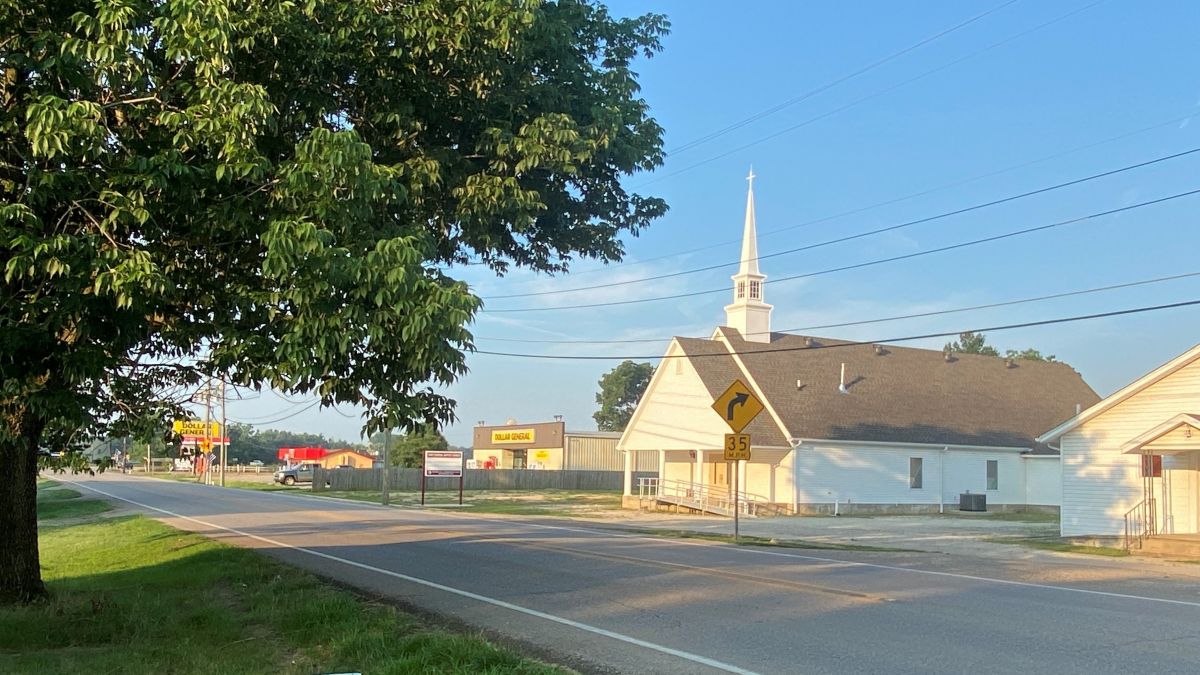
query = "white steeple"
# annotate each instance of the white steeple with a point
(748, 313)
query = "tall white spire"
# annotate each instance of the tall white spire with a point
(749, 263)
(748, 313)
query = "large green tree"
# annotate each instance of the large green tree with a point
(276, 192)
(620, 390)
(408, 449)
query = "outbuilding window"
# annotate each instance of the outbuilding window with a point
(993, 471)
(916, 469)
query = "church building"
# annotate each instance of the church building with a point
(846, 427)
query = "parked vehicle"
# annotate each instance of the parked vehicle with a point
(300, 473)
(256, 462)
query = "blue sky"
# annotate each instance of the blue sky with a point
(943, 114)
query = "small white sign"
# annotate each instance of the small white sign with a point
(444, 463)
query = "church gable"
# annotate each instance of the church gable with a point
(675, 413)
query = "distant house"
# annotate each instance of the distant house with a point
(346, 458)
(327, 458)
(847, 426)
(1133, 459)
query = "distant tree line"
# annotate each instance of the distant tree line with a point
(976, 343)
(248, 443)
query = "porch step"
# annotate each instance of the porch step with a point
(1172, 546)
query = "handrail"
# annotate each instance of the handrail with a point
(702, 496)
(1141, 522)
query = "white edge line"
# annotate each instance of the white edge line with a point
(798, 556)
(696, 658)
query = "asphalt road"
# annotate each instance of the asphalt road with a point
(606, 601)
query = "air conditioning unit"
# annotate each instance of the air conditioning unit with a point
(972, 502)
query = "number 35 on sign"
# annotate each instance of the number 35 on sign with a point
(737, 446)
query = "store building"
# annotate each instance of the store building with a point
(549, 446)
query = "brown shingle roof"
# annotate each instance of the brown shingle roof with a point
(717, 370)
(900, 395)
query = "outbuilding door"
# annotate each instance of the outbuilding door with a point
(717, 474)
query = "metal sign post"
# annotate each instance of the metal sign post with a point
(737, 447)
(443, 463)
(738, 406)
(387, 463)
(737, 498)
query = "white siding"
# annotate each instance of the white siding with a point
(966, 471)
(765, 476)
(678, 467)
(861, 474)
(1100, 484)
(1043, 481)
(675, 413)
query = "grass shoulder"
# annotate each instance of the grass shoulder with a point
(745, 540)
(129, 594)
(60, 503)
(551, 503)
(1060, 545)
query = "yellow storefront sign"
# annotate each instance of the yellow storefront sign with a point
(196, 428)
(513, 436)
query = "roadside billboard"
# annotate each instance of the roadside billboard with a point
(444, 463)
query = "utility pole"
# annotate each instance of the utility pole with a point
(387, 460)
(223, 436)
(207, 445)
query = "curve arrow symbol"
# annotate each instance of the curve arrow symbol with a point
(739, 399)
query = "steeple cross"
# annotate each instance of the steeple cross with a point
(750, 178)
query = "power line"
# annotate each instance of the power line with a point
(839, 240)
(829, 85)
(868, 97)
(907, 338)
(896, 200)
(870, 263)
(259, 420)
(898, 317)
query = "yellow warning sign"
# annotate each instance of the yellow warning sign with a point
(737, 446)
(738, 406)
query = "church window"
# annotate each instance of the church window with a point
(916, 470)
(756, 290)
(741, 290)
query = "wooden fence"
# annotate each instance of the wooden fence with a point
(409, 480)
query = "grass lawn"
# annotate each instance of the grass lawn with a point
(1061, 545)
(1033, 517)
(57, 503)
(1009, 516)
(131, 595)
(231, 480)
(558, 503)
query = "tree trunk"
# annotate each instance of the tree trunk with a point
(20, 567)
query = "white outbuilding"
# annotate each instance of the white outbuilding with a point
(1131, 463)
(846, 427)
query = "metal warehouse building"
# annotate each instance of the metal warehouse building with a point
(549, 446)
